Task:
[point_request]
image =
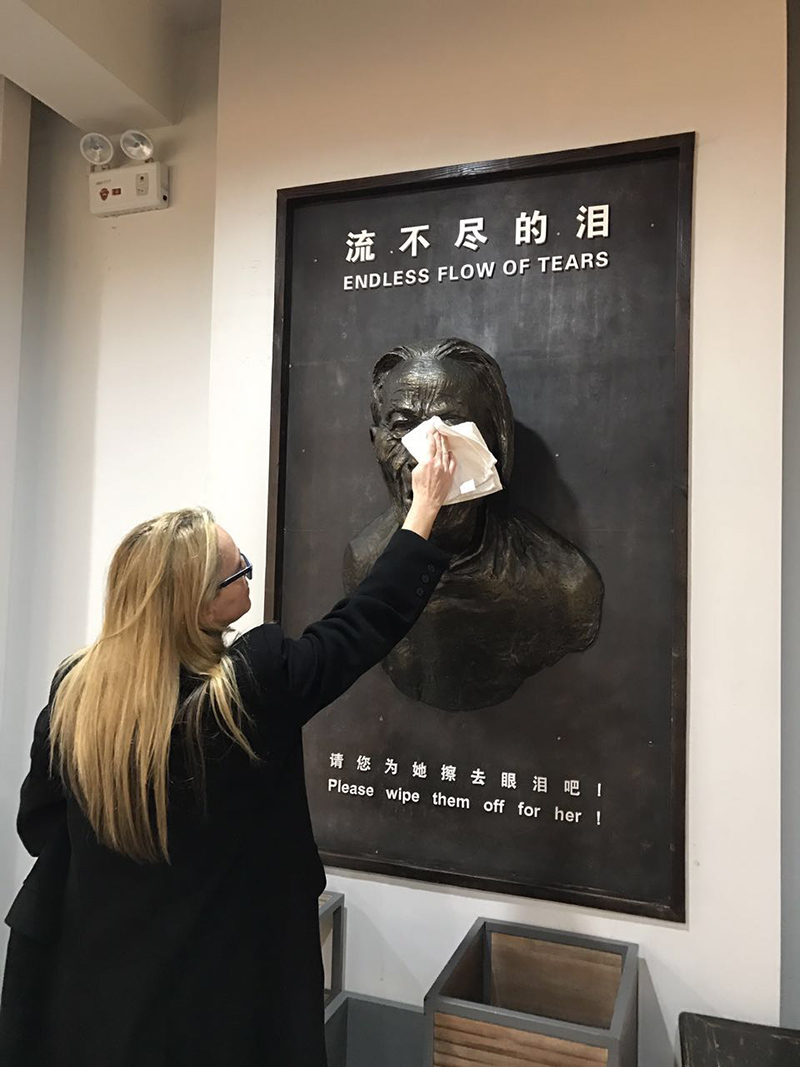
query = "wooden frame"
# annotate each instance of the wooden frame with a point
(289, 200)
(331, 906)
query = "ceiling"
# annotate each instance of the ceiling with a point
(192, 14)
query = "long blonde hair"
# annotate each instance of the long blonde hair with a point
(116, 705)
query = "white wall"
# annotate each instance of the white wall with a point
(151, 417)
(101, 64)
(135, 41)
(312, 91)
(790, 747)
(15, 109)
(113, 401)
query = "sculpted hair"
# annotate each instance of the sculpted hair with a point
(117, 702)
(487, 372)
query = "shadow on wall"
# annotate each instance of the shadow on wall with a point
(537, 487)
(49, 587)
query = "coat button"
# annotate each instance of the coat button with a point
(425, 579)
(420, 591)
(431, 569)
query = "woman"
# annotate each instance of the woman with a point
(171, 916)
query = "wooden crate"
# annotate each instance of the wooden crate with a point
(363, 1031)
(708, 1042)
(533, 997)
(331, 935)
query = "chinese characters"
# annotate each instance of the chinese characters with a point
(362, 763)
(594, 221)
(359, 247)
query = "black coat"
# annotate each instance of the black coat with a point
(213, 959)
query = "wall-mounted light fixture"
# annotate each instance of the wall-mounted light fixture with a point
(136, 145)
(142, 185)
(96, 149)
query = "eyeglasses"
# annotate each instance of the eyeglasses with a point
(245, 572)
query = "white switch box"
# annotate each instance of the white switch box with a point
(139, 187)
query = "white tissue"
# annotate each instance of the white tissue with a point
(475, 474)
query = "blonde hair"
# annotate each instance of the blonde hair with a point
(116, 705)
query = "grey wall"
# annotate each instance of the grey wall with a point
(52, 504)
(790, 742)
(86, 453)
(15, 107)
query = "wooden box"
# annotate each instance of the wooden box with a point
(363, 1031)
(708, 1042)
(331, 936)
(533, 997)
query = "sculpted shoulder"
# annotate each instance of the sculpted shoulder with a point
(540, 560)
(365, 548)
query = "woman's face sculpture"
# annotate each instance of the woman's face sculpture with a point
(416, 390)
(518, 596)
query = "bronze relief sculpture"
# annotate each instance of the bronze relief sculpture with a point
(518, 596)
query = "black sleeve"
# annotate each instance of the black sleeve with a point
(356, 634)
(43, 805)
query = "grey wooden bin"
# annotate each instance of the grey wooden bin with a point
(331, 910)
(531, 996)
(707, 1041)
(363, 1031)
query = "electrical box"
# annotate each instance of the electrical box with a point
(139, 187)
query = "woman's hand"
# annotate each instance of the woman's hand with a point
(431, 480)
